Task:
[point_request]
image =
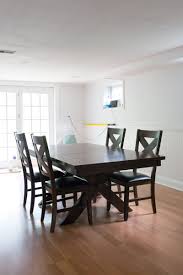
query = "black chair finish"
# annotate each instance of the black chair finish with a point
(66, 184)
(133, 178)
(116, 137)
(28, 171)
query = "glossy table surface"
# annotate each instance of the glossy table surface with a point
(90, 159)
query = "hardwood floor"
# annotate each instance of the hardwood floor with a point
(146, 244)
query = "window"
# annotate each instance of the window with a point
(36, 114)
(114, 95)
(7, 124)
(28, 110)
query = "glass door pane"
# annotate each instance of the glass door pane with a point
(8, 125)
(35, 114)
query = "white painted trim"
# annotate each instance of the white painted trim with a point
(38, 84)
(27, 84)
(172, 183)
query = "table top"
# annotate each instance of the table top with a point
(84, 158)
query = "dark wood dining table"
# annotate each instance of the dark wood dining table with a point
(96, 163)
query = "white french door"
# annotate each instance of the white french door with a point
(24, 109)
(8, 123)
(36, 114)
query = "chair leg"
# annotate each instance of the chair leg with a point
(89, 209)
(108, 202)
(63, 202)
(43, 204)
(54, 213)
(25, 191)
(135, 195)
(32, 197)
(153, 200)
(95, 198)
(75, 197)
(126, 202)
(119, 190)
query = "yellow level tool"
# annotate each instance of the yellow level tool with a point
(99, 124)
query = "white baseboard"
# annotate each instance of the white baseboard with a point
(172, 183)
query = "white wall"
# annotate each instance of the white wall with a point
(69, 101)
(153, 100)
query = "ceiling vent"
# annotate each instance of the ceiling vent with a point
(7, 51)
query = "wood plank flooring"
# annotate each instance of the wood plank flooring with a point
(145, 245)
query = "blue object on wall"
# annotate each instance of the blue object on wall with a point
(69, 139)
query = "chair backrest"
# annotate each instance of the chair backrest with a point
(43, 157)
(150, 141)
(154, 138)
(116, 136)
(24, 154)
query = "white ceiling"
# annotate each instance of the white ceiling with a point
(81, 40)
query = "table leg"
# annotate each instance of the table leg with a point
(80, 205)
(112, 197)
(76, 211)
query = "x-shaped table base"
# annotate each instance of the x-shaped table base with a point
(96, 187)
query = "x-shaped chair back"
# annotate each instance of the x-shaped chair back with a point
(24, 154)
(43, 157)
(152, 146)
(116, 137)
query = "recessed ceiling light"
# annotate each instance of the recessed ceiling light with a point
(7, 51)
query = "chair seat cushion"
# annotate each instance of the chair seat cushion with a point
(68, 182)
(129, 177)
(57, 174)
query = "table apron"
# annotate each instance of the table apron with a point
(110, 168)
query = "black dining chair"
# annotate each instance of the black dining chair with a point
(115, 139)
(129, 179)
(28, 172)
(63, 185)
